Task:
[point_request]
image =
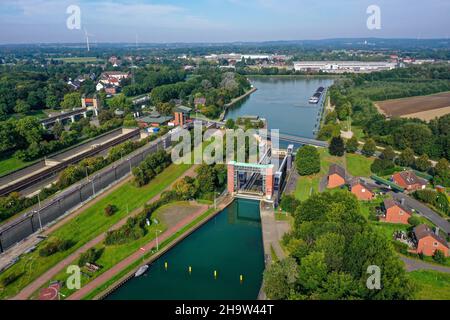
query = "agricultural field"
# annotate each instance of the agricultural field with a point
(79, 59)
(422, 107)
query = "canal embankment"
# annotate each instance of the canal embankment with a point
(168, 241)
(234, 101)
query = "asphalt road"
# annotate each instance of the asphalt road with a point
(423, 210)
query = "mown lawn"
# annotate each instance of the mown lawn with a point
(432, 285)
(11, 164)
(88, 225)
(358, 165)
(112, 255)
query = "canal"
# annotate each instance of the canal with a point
(283, 101)
(230, 243)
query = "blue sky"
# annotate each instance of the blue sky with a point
(24, 21)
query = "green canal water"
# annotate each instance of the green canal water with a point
(230, 243)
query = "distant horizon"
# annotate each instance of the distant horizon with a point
(232, 42)
(218, 21)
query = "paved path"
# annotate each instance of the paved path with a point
(423, 210)
(79, 294)
(414, 264)
(48, 276)
(271, 237)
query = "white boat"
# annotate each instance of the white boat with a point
(141, 271)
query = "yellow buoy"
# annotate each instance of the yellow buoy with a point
(165, 265)
(241, 277)
(190, 269)
(215, 273)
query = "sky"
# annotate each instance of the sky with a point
(158, 21)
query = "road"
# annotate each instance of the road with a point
(414, 264)
(48, 276)
(423, 210)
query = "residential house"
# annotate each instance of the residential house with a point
(395, 212)
(199, 102)
(336, 176)
(154, 119)
(409, 180)
(361, 189)
(427, 241)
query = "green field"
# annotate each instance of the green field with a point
(358, 165)
(116, 253)
(79, 59)
(432, 285)
(162, 245)
(88, 225)
(11, 164)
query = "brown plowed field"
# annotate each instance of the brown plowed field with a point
(422, 107)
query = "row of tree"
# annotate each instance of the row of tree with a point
(335, 254)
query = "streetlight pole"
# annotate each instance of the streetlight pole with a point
(129, 162)
(157, 243)
(39, 211)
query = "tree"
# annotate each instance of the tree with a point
(414, 221)
(22, 106)
(312, 271)
(229, 124)
(382, 167)
(439, 256)
(71, 100)
(307, 161)
(442, 173)
(388, 154)
(289, 203)
(337, 147)
(280, 278)
(369, 148)
(406, 158)
(422, 163)
(58, 129)
(352, 145)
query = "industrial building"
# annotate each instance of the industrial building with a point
(343, 66)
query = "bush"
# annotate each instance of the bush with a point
(6, 281)
(289, 203)
(414, 221)
(89, 256)
(54, 247)
(400, 247)
(337, 147)
(110, 210)
(382, 167)
(307, 161)
(439, 256)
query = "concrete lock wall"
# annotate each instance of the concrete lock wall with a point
(74, 196)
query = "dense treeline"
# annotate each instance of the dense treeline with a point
(210, 178)
(153, 165)
(26, 88)
(28, 140)
(216, 86)
(145, 80)
(353, 96)
(331, 248)
(15, 203)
